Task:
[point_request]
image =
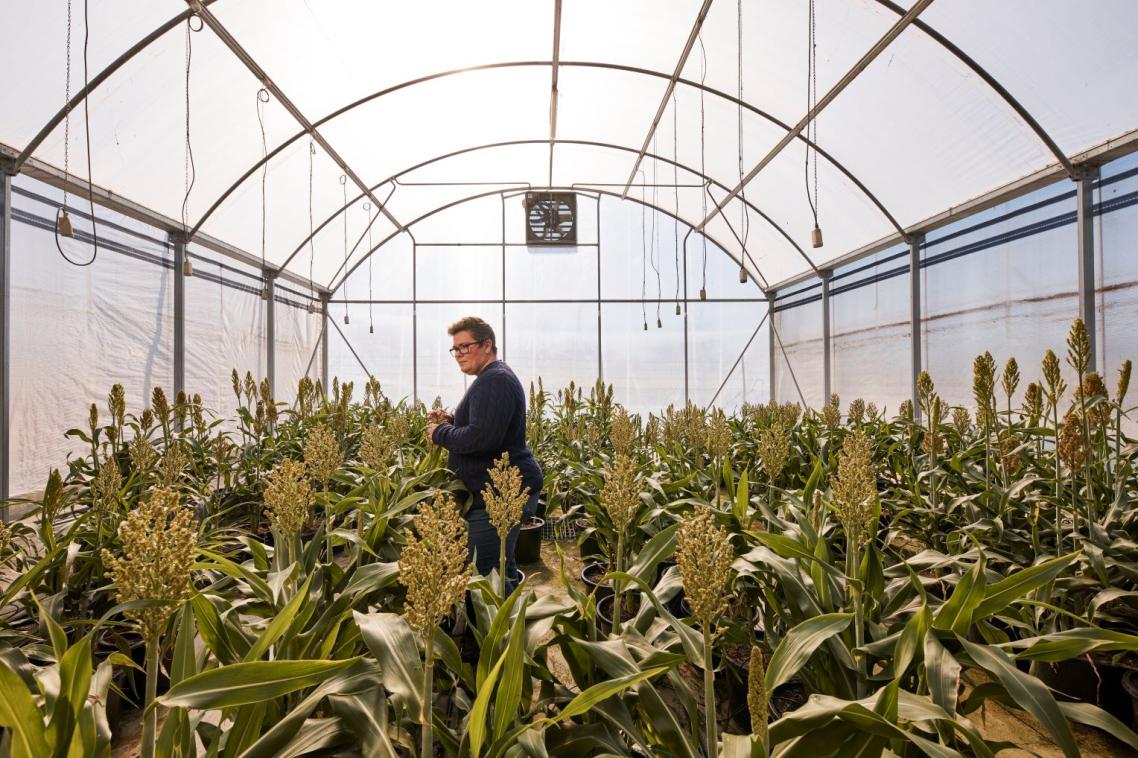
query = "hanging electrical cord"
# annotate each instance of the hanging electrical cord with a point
(703, 159)
(744, 221)
(643, 252)
(311, 232)
(812, 127)
(63, 224)
(344, 188)
(191, 173)
(262, 99)
(655, 251)
(370, 315)
(676, 193)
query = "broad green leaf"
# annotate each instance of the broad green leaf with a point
(1027, 691)
(510, 687)
(279, 624)
(74, 687)
(956, 613)
(392, 642)
(943, 674)
(604, 690)
(742, 499)
(662, 545)
(476, 726)
(1091, 715)
(800, 643)
(910, 640)
(18, 712)
(999, 595)
(249, 682)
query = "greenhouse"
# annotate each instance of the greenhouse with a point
(568, 378)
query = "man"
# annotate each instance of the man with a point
(489, 420)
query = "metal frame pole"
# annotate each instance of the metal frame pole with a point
(1084, 219)
(5, 339)
(771, 367)
(179, 242)
(600, 351)
(687, 307)
(324, 297)
(915, 243)
(503, 331)
(414, 318)
(827, 364)
(271, 330)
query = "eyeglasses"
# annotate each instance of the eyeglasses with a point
(464, 348)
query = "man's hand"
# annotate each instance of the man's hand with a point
(431, 432)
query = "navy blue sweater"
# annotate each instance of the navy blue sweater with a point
(489, 420)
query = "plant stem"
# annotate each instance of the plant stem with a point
(428, 697)
(853, 571)
(327, 523)
(709, 693)
(616, 584)
(150, 721)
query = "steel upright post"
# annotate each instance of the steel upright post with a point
(179, 243)
(1084, 216)
(827, 372)
(324, 341)
(771, 366)
(5, 338)
(271, 330)
(915, 243)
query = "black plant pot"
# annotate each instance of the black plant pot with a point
(1094, 679)
(1130, 686)
(528, 549)
(588, 545)
(591, 575)
(629, 605)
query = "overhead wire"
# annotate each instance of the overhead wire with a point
(370, 298)
(643, 251)
(311, 232)
(703, 160)
(344, 187)
(676, 193)
(654, 256)
(811, 102)
(262, 99)
(745, 220)
(190, 175)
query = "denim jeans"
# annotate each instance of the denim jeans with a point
(482, 543)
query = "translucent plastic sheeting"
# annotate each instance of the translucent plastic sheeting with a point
(225, 330)
(646, 368)
(297, 340)
(636, 242)
(554, 341)
(1116, 230)
(439, 375)
(471, 272)
(717, 335)
(798, 360)
(871, 333)
(1013, 295)
(387, 352)
(76, 331)
(551, 273)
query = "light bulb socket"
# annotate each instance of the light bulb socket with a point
(347, 320)
(371, 329)
(645, 326)
(702, 293)
(265, 293)
(742, 276)
(659, 324)
(816, 237)
(63, 225)
(311, 307)
(677, 309)
(187, 267)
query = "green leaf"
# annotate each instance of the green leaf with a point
(19, 714)
(1027, 691)
(910, 640)
(249, 682)
(279, 624)
(604, 690)
(1091, 715)
(74, 686)
(662, 545)
(510, 688)
(476, 726)
(800, 643)
(956, 613)
(392, 642)
(943, 673)
(1001, 594)
(742, 499)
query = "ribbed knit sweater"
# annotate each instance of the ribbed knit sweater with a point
(489, 420)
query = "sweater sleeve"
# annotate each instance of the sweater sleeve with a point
(491, 408)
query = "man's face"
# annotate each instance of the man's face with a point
(471, 355)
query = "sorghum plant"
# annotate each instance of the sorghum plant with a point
(322, 456)
(288, 505)
(505, 497)
(620, 497)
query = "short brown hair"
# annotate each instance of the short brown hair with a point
(479, 330)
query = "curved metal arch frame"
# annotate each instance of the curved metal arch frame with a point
(572, 64)
(586, 143)
(337, 283)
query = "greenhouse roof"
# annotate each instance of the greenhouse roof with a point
(389, 112)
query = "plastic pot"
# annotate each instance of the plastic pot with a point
(587, 543)
(629, 605)
(528, 549)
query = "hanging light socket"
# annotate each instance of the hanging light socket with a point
(265, 292)
(677, 309)
(702, 293)
(371, 328)
(311, 307)
(659, 323)
(816, 237)
(347, 320)
(187, 267)
(645, 326)
(742, 275)
(63, 225)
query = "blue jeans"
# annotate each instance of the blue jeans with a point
(483, 545)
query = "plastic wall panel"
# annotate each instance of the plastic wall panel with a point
(1116, 232)
(471, 272)
(386, 352)
(225, 330)
(717, 334)
(439, 375)
(554, 341)
(76, 331)
(297, 337)
(871, 336)
(1015, 295)
(645, 367)
(798, 355)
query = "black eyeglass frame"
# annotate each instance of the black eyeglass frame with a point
(464, 348)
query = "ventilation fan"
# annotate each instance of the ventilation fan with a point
(551, 218)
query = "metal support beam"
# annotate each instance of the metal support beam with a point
(827, 363)
(1084, 220)
(915, 320)
(770, 340)
(324, 342)
(600, 350)
(179, 243)
(271, 331)
(5, 339)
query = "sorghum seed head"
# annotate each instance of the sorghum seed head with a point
(855, 414)
(704, 555)
(832, 413)
(146, 419)
(160, 405)
(983, 386)
(855, 487)
(93, 416)
(774, 449)
(1078, 347)
(620, 494)
(871, 411)
(905, 410)
(718, 434)
(1010, 379)
(1009, 452)
(1123, 381)
(1073, 445)
(1095, 396)
(1033, 401)
(505, 496)
(623, 433)
(322, 453)
(433, 565)
(1052, 375)
(54, 497)
(288, 497)
(158, 548)
(924, 388)
(142, 454)
(758, 699)
(105, 487)
(236, 379)
(116, 403)
(377, 450)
